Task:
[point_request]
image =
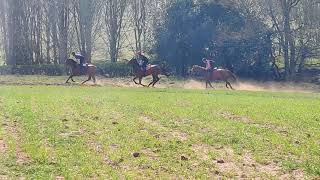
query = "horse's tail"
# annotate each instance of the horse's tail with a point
(102, 72)
(164, 70)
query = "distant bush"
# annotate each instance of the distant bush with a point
(50, 70)
(119, 69)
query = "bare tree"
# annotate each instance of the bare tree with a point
(114, 14)
(138, 13)
(87, 17)
(4, 25)
(63, 24)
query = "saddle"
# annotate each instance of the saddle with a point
(146, 68)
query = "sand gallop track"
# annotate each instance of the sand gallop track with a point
(244, 85)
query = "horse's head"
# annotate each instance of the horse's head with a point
(194, 69)
(133, 62)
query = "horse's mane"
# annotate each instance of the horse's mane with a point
(199, 67)
(72, 62)
(135, 62)
(133, 59)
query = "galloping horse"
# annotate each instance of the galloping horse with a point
(216, 75)
(154, 70)
(89, 70)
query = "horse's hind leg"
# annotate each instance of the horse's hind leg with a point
(210, 85)
(94, 79)
(157, 80)
(227, 85)
(153, 80)
(86, 80)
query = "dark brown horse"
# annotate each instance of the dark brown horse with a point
(154, 70)
(216, 75)
(89, 70)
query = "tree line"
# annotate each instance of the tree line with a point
(243, 35)
(45, 31)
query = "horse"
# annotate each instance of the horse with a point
(216, 75)
(89, 70)
(154, 70)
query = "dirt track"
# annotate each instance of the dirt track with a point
(163, 83)
(241, 85)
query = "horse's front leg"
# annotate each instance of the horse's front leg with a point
(211, 85)
(134, 80)
(228, 83)
(70, 77)
(140, 79)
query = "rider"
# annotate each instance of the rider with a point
(143, 61)
(81, 58)
(209, 65)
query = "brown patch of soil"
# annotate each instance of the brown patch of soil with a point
(4, 177)
(231, 116)
(95, 146)
(175, 133)
(59, 178)
(228, 164)
(296, 174)
(181, 136)
(22, 157)
(150, 153)
(111, 162)
(3, 146)
(72, 133)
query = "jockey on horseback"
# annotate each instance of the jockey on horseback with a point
(81, 58)
(143, 61)
(209, 65)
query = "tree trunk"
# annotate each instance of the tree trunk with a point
(3, 19)
(292, 58)
(286, 24)
(63, 31)
(114, 24)
(48, 39)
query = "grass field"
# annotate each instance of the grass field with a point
(75, 132)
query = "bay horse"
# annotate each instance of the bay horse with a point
(89, 70)
(216, 75)
(154, 70)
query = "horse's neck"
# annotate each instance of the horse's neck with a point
(136, 67)
(73, 66)
(200, 69)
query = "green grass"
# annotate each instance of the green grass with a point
(92, 132)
